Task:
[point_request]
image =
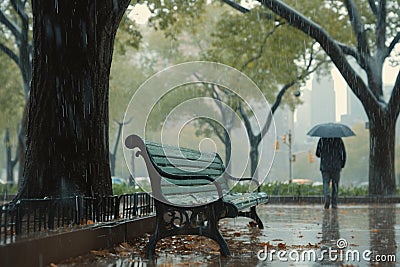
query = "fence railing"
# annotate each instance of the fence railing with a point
(29, 216)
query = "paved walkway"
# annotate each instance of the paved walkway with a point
(296, 235)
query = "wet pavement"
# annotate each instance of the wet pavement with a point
(295, 235)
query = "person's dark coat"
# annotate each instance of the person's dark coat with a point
(332, 154)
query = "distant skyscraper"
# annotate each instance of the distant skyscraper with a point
(323, 102)
(355, 111)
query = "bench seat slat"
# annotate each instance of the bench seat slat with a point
(245, 200)
(184, 163)
(180, 153)
(186, 172)
(190, 186)
(181, 191)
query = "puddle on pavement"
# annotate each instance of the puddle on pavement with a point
(306, 235)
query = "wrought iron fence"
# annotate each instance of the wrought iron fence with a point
(29, 216)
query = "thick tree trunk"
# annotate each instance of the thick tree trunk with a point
(22, 145)
(254, 154)
(228, 149)
(382, 179)
(10, 162)
(67, 135)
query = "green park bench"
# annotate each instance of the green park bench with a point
(191, 192)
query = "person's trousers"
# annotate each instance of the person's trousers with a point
(327, 178)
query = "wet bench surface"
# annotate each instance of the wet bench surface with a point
(192, 192)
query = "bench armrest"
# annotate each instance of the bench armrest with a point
(228, 176)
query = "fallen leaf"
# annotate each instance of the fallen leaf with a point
(237, 234)
(282, 246)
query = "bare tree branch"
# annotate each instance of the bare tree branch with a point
(393, 43)
(394, 101)
(246, 121)
(20, 9)
(299, 21)
(373, 6)
(380, 33)
(236, 6)
(244, 10)
(9, 53)
(261, 50)
(283, 90)
(216, 96)
(10, 25)
(120, 125)
(216, 131)
(358, 28)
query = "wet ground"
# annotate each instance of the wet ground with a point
(295, 235)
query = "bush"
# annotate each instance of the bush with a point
(291, 189)
(120, 189)
(6, 189)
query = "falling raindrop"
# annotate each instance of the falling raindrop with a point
(56, 5)
(84, 33)
(58, 38)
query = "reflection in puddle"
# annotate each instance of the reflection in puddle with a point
(288, 228)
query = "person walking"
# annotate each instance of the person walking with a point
(333, 158)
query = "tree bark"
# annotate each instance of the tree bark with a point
(10, 162)
(22, 144)
(67, 135)
(254, 157)
(382, 180)
(228, 149)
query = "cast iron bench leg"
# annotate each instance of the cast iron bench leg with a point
(252, 214)
(216, 235)
(214, 232)
(151, 246)
(255, 217)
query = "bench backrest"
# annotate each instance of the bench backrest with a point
(181, 175)
(185, 162)
(190, 165)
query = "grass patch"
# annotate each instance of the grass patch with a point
(7, 189)
(120, 189)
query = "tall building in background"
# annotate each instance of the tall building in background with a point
(323, 101)
(355, 111)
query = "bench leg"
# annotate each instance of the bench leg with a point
(151, 245)
(166, 227)
(252, 214)
(216, 235)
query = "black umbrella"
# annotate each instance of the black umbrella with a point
(330, 130)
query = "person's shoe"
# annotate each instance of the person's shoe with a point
(326, 206)
(334, 206)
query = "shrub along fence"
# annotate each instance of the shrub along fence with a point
(27, 216)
